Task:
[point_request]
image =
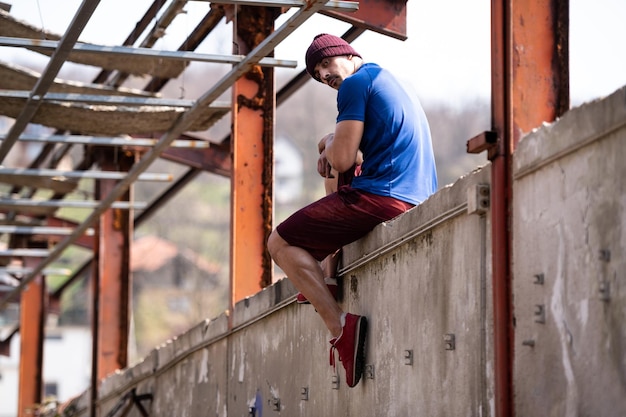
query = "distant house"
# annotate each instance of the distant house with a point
(156, 262)
(173, 289)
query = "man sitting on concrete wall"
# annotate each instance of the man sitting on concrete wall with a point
(378, 118)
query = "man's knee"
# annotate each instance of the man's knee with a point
(274, 242)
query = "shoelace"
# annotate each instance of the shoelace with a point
(332, 353)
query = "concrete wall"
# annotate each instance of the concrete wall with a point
(424, 282)
(570, 230)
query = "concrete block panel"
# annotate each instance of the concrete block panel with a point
(568, 248)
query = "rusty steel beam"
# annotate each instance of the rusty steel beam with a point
(530, 85)
(140, 27)
(85, 241)
(252, 146)
(206, 26)
(486, 141)
(214, 159)
(387, 17)
(139, 219)
(113, 273)
(500, 186)
(32, 323)
(95, 323)
(540, 63)
(46, 79)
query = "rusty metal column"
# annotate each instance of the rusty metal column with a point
(252, 153)
(540, 63)
(32, 325)
(111, 272)
(530, 85)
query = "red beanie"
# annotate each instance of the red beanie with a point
(324, 46)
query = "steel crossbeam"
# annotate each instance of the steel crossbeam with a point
(122, 51)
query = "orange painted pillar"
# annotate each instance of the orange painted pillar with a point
(252, 170)
(540, 63)
(111, 270)
(530, 85)
(32, 324)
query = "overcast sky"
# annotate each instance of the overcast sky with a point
(446, 57)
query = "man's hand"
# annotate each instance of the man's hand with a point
(322, 143)
(341, 148)
(323, 166)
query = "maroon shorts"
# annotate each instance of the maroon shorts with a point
(323, 227)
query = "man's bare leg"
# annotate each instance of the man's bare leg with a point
(307, 276)
(329, 265)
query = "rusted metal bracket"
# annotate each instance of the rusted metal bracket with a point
(486, 141)
(387, 17)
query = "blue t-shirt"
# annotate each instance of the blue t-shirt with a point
(398, 159)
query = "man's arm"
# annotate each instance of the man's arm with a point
(340, 149)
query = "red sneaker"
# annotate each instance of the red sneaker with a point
(332, 285)
(351, 348)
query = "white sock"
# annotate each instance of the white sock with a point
(342, 319)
